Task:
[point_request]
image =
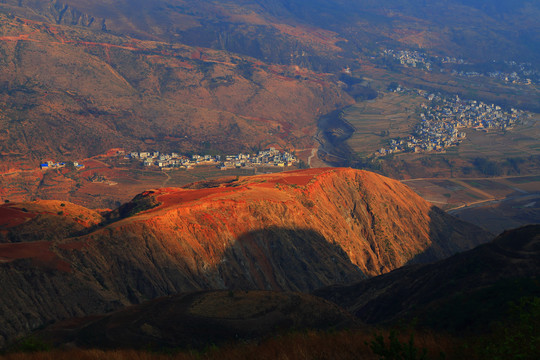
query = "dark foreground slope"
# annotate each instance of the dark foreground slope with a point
(196, 320)
(296, 231)
(462, 294)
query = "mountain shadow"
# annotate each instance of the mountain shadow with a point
(285, 259)
(449, 235)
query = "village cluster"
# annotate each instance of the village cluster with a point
(442, 120)
(270, 157)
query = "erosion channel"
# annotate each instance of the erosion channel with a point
(333, 133)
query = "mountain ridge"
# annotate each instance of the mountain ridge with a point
(297, 230)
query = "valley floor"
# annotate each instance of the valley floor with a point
(495, 203)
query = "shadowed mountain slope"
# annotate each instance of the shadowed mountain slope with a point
(296, 230)
(307, 31)
(465, 292)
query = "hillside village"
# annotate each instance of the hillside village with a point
(416, 59)
(442, 120)
(515, 73)
(269, 157)
(506, 77)
(45, 165)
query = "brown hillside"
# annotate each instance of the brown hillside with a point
(44, 219)
(68, 93)
(296, 230)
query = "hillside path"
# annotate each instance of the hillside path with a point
(166, 180)
(313, 153)
(476, 190)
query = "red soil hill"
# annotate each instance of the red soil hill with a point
(297, 230)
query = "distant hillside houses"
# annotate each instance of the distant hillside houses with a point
(269, 157)
(408, 58)
(442, 120)
(46, 165)
(509, 71)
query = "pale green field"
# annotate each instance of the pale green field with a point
(393, 112)
(522, 141)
